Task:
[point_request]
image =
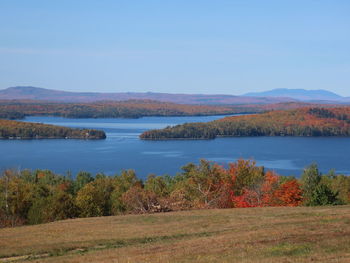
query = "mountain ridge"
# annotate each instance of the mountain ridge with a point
(299, 94)
(265, 97)
(34, 93)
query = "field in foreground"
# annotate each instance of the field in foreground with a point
(279, 234)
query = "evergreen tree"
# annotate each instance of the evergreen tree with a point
(323, 195)
(310, 179)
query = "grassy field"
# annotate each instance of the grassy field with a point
(302, 234)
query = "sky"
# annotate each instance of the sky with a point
(197, 46)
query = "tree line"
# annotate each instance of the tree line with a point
(314, 121)
(10, 129)
(19, 109)
(108, 109)
(33, 197)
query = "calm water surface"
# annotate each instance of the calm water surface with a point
(123, 150)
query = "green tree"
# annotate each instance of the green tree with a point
(94, 199)
(37, 213)
(323, 195)
(61, 206)
(81, 180)
(310, 179)
(157, 185)
(338, 184)
(89, 202)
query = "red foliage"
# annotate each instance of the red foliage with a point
(290, 193)
(241, 201)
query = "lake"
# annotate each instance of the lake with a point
(124, 150)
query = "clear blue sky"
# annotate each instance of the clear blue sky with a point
(185, 46)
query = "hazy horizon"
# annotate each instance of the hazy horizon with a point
(196, 47)
(187, 93)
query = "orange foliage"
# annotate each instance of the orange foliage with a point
(41, 175)
(63, 186)
(290, 193)
(259, 195)
(269, 188)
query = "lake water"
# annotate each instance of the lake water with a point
(124, 150)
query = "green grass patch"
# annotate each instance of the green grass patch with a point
(288, 249)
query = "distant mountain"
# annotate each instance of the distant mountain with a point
(33, 93)
(299, 94)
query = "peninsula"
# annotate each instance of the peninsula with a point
(296, 122)
(10, 129)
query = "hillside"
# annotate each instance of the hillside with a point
(10, 129)
(296, 122)
(34, 93)
(107, 109)
(19, 109)
(299, 94)
(298, 234)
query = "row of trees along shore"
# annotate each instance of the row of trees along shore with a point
(109, 109)
(19, 109)
(33, 197)
(10, 129)
(297, 122)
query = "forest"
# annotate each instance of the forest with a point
(33, 197)
(105, 109)
(10, 129)
(19, 109)
(307, 121)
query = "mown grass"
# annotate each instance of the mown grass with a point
(302, 234)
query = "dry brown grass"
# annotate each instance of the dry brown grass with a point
(302, 234)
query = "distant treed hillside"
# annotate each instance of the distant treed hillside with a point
(125, 109)
(298, 122)
(129, 109)
(21, 130)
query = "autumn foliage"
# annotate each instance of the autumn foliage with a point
(113, 109)
(32, 197)
(18, 109)
(311, 121)
(10, 129)
(290, 193)
(254, 188)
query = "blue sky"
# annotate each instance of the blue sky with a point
(229, 47)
